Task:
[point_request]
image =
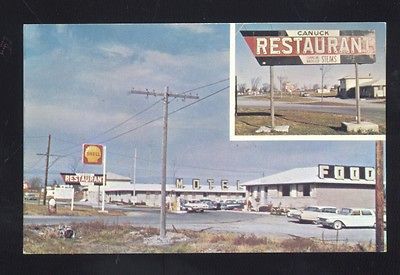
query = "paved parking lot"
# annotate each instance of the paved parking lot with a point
(241, 222)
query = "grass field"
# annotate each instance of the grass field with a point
(249, 119)
(97, 237)
(65, 210)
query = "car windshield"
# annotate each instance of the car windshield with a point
(329, 210)
(345, 211)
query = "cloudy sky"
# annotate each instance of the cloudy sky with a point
(77, 80)
(248, 68)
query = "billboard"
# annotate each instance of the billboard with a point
(92, 154)
(311, 47)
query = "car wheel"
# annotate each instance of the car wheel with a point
(337, 225)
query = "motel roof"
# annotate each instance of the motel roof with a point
(301, 175)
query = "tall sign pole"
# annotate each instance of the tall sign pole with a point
(165, 96)
(271, 101)
(379, 197)
(104, 178)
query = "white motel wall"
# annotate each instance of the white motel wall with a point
(120, 189)
(302, 187)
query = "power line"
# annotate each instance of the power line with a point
(158, 118)
(140, 112)
(190, 166)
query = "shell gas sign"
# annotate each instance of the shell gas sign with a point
(92, 154)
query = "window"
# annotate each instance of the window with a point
(306, 190)
(266, 189)
(205, 195)
(312, 209)
(356, 213)
(286, 190)
(328, 210)
(366, 213)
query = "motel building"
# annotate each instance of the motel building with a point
(331, 185)
(120, 189)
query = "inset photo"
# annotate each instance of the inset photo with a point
(306, 80)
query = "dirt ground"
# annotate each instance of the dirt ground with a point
(249, 119)
(97, 237)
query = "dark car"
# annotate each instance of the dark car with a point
(231, 205)
(212, 205)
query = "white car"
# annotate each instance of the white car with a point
(311, 213)
(349, 217)
(195, 206)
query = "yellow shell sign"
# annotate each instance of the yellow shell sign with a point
(92, 154)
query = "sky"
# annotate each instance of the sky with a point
(248, 68)
(77, 80)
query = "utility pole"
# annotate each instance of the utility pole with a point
(165, 96)
(47, 168)
(379, 198)
(134, 174)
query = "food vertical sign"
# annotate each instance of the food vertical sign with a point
(96, 154)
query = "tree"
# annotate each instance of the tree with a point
(36, 183)
(315, 86)
(241, 88)
(255, 83)
(265, 88)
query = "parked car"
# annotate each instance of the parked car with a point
(30, 197)
(311, 213)
(231, 205)
(194, 206)
(212, 205)
(292, 211)
(349, 217)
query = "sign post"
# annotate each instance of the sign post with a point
(104, 179)
(96, 154)
(271, 101)
(357, 96)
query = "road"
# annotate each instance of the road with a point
(239, 222)
(370, 110)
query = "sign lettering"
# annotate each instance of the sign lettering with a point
(346, 172)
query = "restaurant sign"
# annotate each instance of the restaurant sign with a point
(310, 47)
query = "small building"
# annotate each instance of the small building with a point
(347, 85)
(333, 185)
(324, 91)
(373, 89)
(369, 88)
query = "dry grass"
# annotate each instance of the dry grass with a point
(98, 237)
(300, 122)
(65, 210)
